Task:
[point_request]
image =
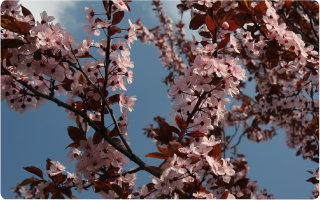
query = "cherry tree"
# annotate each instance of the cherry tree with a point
(273, 45)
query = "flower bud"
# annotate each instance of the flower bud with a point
(225, 25)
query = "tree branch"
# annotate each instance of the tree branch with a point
(314, 31)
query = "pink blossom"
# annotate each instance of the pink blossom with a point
(72, 154)
(55, 168)
(40, 189)
(45, 18)
(131, 34)
(225, 25)
(120, 5)
(127, 101)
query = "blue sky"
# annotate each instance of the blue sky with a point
(29, 139)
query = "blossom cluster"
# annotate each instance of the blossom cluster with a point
(42, 61)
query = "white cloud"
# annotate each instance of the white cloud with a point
(61, 10)
(170, 7)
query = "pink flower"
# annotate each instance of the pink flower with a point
(102, 46)
(211, 141)
(162, 184)
(90, 14)
(75, 178)
(215, 165)
(207, 3)
(229, 4)
(55, 168)
(40, 188)
(92, 30)
(236, 190)
(131, 34)
(128, 101)
(72, 154)
(233, 44)
(103, 24)
(45, 18)
(225, 25)
(120, 5)
(119, 159)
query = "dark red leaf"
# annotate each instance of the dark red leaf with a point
(24, 27)
(157, 155)
(306, 76)
(272, 53)
(8, 22)
(165, 130)
(11, 43)
(197, 21)
(182, 124)
(102, 186)
(194, 159)
(202, 8)
(173, 148)
(48, 163)
(113, 132)
(113, 99)
(117, 189)
(247, 4)
(128, 6)
(240, 155)
(117, 17)
(105, 4)
(242, 9)
(255, 122)
(34, 170)
(94, 104)
(226, 16)
(182, 7)
(216, 5)
(205, 34)
(313, 180)
(150, 186)
(76, 134)
(216, 152)
(210, 23)
(79, 105)
(4, 54)
(233, 26)
(275, 89)
(113, 30)
(274, 62)
(224, 42)
(243, 182)
(60, 178)
(87, 55)
(196, 134)
(164, 151)
(68, 193)
(225, 195)
(97, 138)
(28, 181)
(25, 11)
(204, 43)
(175, 130)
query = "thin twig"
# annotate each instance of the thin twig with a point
(103, 100)
(314, 31)
(239, 139)
(296, 29)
